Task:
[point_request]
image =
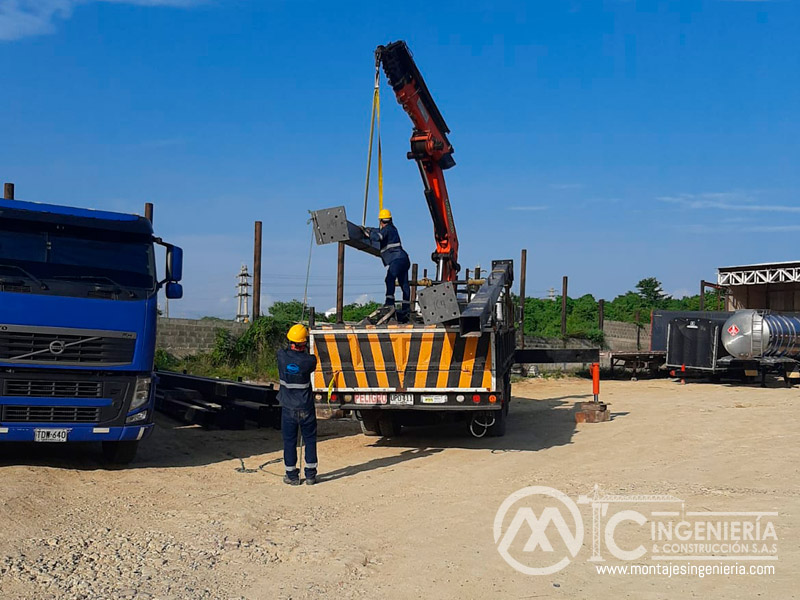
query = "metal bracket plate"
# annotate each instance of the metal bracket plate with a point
(331, 226)
(438, 303)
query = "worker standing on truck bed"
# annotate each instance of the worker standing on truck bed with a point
(396, 259)
(295, 366)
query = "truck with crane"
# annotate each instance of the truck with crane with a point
(79, 291)
(455, 356)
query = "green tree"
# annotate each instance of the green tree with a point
(625, 306)
(651, 292)
(287, 311)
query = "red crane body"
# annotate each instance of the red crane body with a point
(430, 148)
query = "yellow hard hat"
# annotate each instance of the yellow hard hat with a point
(385, 214)
(297, 334)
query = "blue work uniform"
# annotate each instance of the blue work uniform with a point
(398, 263)
(297, 409)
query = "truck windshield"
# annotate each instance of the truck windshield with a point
(75, 256)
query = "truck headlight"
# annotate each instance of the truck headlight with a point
(138, 417)
(141, 393)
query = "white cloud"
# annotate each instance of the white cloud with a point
(364, 299)
(23, 18)
(774, 228)
(726, 201)
(682, 293)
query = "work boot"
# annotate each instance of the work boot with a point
(311, 477)
(291, 480)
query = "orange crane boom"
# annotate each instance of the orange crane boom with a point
(430, 148)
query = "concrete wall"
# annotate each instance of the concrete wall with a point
(183, 337)
(621, 336)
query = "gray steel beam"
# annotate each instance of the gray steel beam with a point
(331, 225)
(477, 313)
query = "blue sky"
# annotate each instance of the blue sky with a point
(614, 140)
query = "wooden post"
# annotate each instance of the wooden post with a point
(523, 269)
(702, 294)
(414, 272)
(636, 317)
(148, 211)
(340, 285)
(564, 306)
(257, 271)
(8, 191)
(601, 313)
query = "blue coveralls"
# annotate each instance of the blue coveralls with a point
(297, 409)
(398, 263)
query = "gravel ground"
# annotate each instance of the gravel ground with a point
(407, 517)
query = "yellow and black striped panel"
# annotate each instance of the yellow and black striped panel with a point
(401, 357)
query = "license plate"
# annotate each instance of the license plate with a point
(50, 435)
(435, 399)
(405, 399)
(369, 398)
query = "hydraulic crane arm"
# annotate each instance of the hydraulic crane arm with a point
(430, 148)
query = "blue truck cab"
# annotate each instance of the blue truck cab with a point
(78, 310)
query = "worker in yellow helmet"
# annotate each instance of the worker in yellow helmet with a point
(395, 259)
(295, 366)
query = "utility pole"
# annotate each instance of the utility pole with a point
(564, 307)
(257, 272)
(242, 294)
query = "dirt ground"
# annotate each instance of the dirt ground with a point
(409, 517)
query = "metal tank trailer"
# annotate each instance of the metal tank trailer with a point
(753, 334)
(742, 345)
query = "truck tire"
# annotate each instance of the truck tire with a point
(120, 453)
(369, 424)
(389, 426)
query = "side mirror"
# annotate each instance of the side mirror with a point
(174, 264)
(173, 290)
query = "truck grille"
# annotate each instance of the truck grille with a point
(53, 389)
(32, 345)
(51, 414)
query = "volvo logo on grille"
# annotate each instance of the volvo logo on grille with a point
(57, 347)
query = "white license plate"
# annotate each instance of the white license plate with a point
(435, 399)
(405, 399)
(50, 435)
(369, 398)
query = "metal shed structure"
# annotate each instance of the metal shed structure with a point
(774, 286)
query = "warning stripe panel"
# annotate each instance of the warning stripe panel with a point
(468, 362)
(445, 360)
(377, 355)
(401, 358)
(423, 361)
